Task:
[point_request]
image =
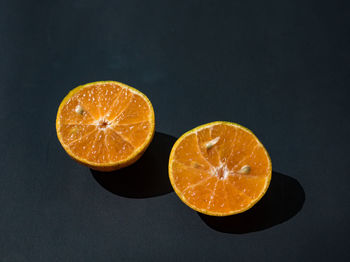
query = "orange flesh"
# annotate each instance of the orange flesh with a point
(105, 123)
(209, 177)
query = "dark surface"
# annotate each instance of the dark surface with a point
(281, 68)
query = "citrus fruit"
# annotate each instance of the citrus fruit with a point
(219, 169)
(105, 125)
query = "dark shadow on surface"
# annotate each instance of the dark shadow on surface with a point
(148, 177)
(283, 200)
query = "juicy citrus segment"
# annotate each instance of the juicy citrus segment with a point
(131, 114)
(236, 199)
(220, 168)
(105, 125)
(189, 154)
(83, 116)
(200, 194)
(189, 176)
(139, 132)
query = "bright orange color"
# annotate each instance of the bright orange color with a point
(105, 125)
(219, 169)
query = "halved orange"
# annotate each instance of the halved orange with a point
(219, 169)
(105, 125)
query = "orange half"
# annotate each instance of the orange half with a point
(105, 125)
(219, 169)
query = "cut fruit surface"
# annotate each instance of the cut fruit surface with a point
(105, 125)
(219, 169)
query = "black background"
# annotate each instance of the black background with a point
(280, 67)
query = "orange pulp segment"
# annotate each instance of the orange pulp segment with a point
(105, 125)
(219, 169)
